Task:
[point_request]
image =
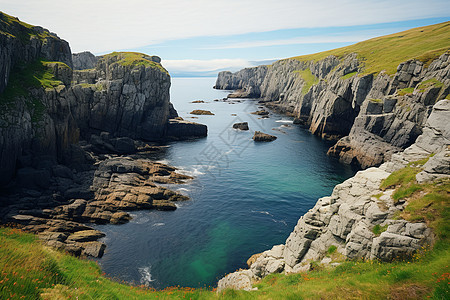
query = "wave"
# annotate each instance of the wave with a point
(159, 224)
(262, 212)
(146, 276)
(163, 161)
(281, 221)
(285, 121)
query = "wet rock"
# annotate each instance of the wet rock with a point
(180, 129)
(94, 249)
(201, 112)
(85, 236)
(241, 126)
(261, 113)
(263, 137)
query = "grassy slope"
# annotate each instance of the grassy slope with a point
(387, 52)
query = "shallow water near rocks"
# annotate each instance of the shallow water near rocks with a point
(245, 198)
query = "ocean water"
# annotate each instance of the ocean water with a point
(245, 198)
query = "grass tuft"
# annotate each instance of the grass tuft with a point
(308, 78)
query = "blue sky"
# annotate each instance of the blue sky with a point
(202, 37)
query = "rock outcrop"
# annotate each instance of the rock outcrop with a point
(370, 116)
(84, 60)
(47, 108)
(347, 218)
(263, 137)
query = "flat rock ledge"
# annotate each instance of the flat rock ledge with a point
(346, 219)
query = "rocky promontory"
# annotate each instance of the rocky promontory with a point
(372, 105)
(361, 218)
(79, 135)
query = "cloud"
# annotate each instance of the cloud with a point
(107, 25)
(194, 65)
(295, 41)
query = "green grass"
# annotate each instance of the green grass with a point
(308, 78)
(387, 52)
(135, 59)
(433, 82)
(23, 78)
(378, 229)
(349, 75)
(331, 249)
(405, 91)
(13, 27)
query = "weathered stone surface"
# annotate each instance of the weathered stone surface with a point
(346, 219)
(84, 60)
(263, 137)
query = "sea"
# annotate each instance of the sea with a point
(245, 196)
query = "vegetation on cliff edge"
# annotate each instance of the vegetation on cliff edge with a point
(387, 52)
(24, 78)
(13, 27)
(134, 59)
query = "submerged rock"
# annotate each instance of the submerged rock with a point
(263, 137)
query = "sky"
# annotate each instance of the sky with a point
(202, 37)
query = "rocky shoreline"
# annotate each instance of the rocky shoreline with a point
(346, 219)
(79, 136)
(57, 202)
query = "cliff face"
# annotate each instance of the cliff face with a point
(346, 219)
(46, 106)
(371, 115)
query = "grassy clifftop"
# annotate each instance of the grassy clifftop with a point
(15, 28)
(134, 59)
(387, 52)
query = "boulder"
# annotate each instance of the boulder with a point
(241, 126)
(201, 112)
(263, 137)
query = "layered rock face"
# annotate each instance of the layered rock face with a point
(46, 108)
(370, 116)
(346, 219)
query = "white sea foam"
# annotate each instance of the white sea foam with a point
(183, 190)
(262, 212)
(163, 161)
(285, 121)
(159, 224)
(146, 276)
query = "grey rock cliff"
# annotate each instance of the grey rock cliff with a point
(370, 116)
(124, 94)
(84, 60)
(346, 218)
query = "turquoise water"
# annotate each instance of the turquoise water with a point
(245, 197)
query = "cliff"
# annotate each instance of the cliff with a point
(367, 216)
(46, 107)
(372, 97)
